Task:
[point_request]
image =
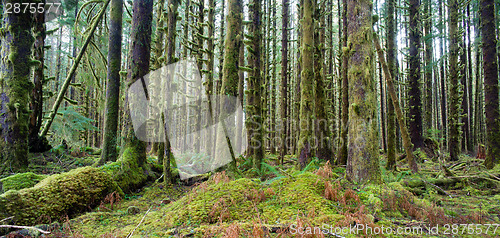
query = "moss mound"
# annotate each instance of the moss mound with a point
(20, 181)
(58, 195)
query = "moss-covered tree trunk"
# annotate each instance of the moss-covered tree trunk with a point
(284, 110)
(172, 15)
(37, 143)
(109, 152)
(140, 53)
(15, 88)
(393, 68)
(255, 89)
(428, 41)
(363, 154)
(490, 66)
(322, 132)
(306, 85)
(454, 133)
(344, 92)
(230, 69)
(414, 91)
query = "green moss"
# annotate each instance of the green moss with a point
(20, 181)
(127, 173)
(56, 196)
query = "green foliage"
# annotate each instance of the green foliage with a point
(69, 125)
(20, 181)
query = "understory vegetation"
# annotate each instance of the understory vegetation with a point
(463, 193)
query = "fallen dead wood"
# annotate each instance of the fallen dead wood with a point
(25, 227)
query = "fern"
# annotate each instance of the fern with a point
(69, 126)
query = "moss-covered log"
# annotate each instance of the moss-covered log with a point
(73, 192)
(58, 195)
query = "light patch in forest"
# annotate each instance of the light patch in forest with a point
(174, 93)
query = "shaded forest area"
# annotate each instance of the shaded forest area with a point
(381, 113)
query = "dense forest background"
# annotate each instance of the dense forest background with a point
(373, 87)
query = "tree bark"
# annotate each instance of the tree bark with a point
(15, 88)
(109, 152)
(490, 65)
(363, 153)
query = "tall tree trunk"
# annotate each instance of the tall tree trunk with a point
(414, 92)
(284, 80)
(393, 68)
(37, 143)
(140, 54)
(322, 132)
(230, 69)
(109, 152)
(362, 162)
(454, 90)
(342, 153)
(428, 64)
(255, 129)
(306, 84)
(15, 89)
(490, 65)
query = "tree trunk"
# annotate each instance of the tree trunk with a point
(284, 80)
(393, 68)
(306, 84)
(322, 132)
(15, 88)
(342, 153)
(255, 128)
(490, 65)
(428, 65)
(230, 69)
(109, 152)
(37, 143)
(414, 92)
(363, 154)
(454, 90)
(140, 53)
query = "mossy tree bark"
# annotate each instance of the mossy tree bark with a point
(37, 143)
(363, 153)
(342, 151)
(490, 66)
(284, 80)
(15, 89)
(322, 132)
(140, 53)
(454, 133)
(230, 68)
(393, 68)
(307, 85)
(414, 92)
(428, 41)
(109, 152)
(255, 90)
(172, 15)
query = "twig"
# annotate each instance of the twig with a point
(442, 190)
(24, 227)
(131, 233)
(5, 219)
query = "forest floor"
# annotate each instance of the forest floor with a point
(314, 202)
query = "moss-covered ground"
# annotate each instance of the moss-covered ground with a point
(460, 192)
